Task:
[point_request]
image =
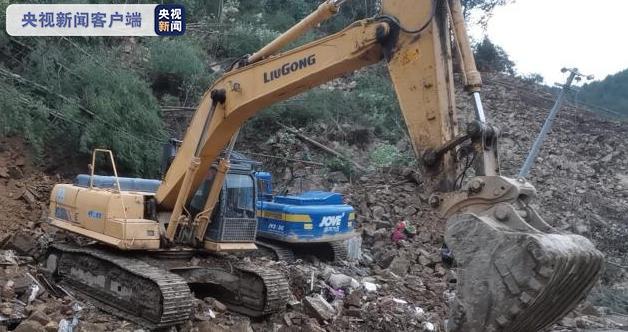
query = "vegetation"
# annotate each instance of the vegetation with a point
(609, 93)
(66, 96)
(485, 8)
(492, 58)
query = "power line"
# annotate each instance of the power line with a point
(574, 74)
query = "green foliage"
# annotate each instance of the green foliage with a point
(337, 164)
(385, 155)
(484, 7)
(492, 58)
(24, 115)
(371, 104)
(377, 105)
(181, 57)
(535, 78)
(177, 67)
(608, 93)
(50, 106)
(242, 39)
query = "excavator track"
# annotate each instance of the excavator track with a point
(339, 249)
(280, 252)
(276, 291)
(131, 288)
(329, 251)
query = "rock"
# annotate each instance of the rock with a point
(8, 291)
(6, 310)
(15, 172)
(52, 327)
(400, 266)
(39, 317)
(312, 326)
(337, 177)
(424, 236)
(4, 172)
(29, 326)
(317, 307)
(23, 243)
(378, 212)
(28, 197)
(241, 326)
(207, 326)
(409, 210)
(353, 312)
(568, 322)
(354, 299)
(369, 286)
(428, 327)
(386, 259)
(425, 261)
(215, 304)
(295, 304)
(84, 326)
(339, 280)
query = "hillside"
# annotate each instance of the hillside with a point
(580, 177)
(609, 93)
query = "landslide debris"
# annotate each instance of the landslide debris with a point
(401, 282)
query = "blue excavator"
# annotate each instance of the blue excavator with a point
(309, 223)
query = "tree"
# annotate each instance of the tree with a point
(492, 58)
(486, 8)
(609, 93)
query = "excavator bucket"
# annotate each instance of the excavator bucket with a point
(515, 272)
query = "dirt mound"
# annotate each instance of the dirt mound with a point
(401, 282)
(24, 189)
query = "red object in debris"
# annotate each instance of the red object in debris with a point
(398, 234)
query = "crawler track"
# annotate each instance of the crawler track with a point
(281, 252)
(155, 292)
(327, 251)
(148, 295)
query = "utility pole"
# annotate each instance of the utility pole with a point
(574, 74)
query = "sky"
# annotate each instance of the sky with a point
(542, 36)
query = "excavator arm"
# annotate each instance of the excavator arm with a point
(516, 273)
(407, 35)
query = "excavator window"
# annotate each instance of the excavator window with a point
(240, 196)
(199, 198)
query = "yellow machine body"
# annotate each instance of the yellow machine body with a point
(114, 218)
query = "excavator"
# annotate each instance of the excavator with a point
(515, 271)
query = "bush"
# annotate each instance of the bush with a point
(385, 155)
(25, 115)
(175, 56)
(535, 78)
(126, 116)
(241, 39)
(492, 58)
(177, 67)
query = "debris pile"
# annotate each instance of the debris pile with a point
(402, 281)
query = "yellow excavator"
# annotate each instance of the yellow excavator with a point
(515, 272)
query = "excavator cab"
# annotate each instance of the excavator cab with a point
(234, 218)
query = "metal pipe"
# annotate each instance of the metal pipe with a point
(473, 79)
(479, 109)
(326, 10)
(536, 147)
